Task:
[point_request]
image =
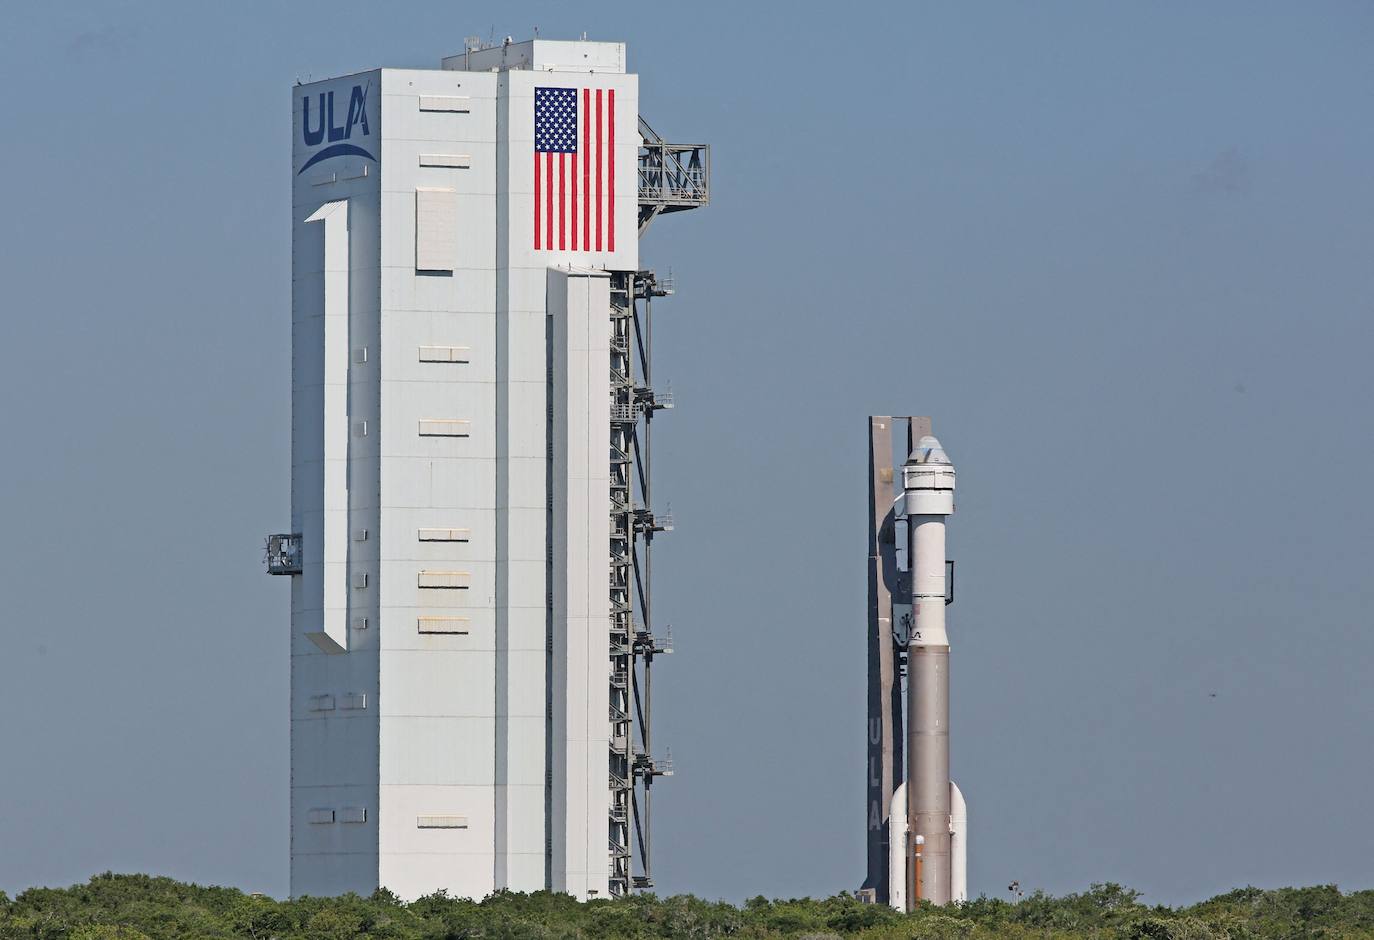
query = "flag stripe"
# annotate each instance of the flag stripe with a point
(548, 200)
(536, 200)
(562, 188)
(610, 172)
(586, 169)
(572, 199)
(598, 169)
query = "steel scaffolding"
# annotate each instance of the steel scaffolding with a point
(671, 178)
(634, 523)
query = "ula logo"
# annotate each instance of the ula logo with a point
(324, 126)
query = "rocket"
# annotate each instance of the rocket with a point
(919, 850)
(927, 499)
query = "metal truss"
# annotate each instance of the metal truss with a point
(634, 524)
(672, 177)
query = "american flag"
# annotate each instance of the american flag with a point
(574, 169)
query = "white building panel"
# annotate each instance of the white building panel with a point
(467, 534)
(418, 683)
(460, 629)
(439, 482)
(406, 804)
(462, 875)
(436, 229)
(443, 751)
(579, 316)
(425, 397)
(460, 484)
(466, 218)
(441, 106)
(463, 293)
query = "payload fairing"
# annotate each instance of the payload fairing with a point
(917, 819)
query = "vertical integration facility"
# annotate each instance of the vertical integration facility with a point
(916, 817)
(471, 622)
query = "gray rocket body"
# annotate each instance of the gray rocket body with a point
(928, 498)
(927, 745)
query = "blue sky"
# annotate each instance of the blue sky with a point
(1119, 252)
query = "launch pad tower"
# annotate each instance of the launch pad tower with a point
(472, 628)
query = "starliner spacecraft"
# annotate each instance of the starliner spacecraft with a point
(916, 817)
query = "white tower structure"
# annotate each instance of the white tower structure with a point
(465, 278)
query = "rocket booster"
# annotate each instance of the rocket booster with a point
(928, 497)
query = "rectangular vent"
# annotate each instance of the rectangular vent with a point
(445, 354)
(360, 355)
(324, 179)
(452, 103)
(444, 427)
(359, 623)
(445, 535)
(321, 817)
(360, 580)
(444, 579)
(353, 814)
(458, 161)
(360, 535)
(360, 428)
(360, 173)
(353, 700)
(441, 822)
(321, 703)
(436, 230)
(451, 625)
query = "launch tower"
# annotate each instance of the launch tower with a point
(472, 632)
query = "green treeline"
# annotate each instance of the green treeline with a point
(134, 907)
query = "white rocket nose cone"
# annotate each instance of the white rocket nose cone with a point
(928, 450)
